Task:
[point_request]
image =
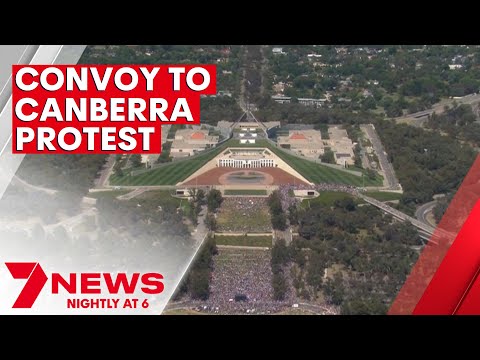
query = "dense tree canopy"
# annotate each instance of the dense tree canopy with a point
(425, 162)
(359, 257)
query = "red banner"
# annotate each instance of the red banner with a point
(104, 108)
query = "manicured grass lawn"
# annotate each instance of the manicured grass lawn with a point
(175, 172)
(171, 173)
(384, 196)
(246, 192)
(254, 241)
(318, 173)
(328, 199)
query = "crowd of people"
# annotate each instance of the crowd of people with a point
(243, 215)
(242, 283)
(288, 199)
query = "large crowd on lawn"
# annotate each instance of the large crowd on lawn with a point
(247, 210)
(242, 283)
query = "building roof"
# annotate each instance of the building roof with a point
(197, 136)
(181, 144)
(298, 136)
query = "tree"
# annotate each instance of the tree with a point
(192, 211)
(279, 221)
(214, 200)
(136, 160)
(315, 270)
(118, 171)
(441, 207)
(346, 203)
(335, 289)
(371, 174)
(198, 281)
(275, 203)
(364, 306)
(193, 194)
(165, 155)
(357, 155)
(199, 284)
(293, 215)
(201, 196)
(279, 285)
(369, 103)
(280, 255)
(211, 222)
(328, 157)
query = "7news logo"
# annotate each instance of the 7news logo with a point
(84, 283)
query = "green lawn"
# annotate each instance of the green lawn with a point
(159, 196)
(171, 173)
(384, 196)
(328, 199)
(246, 192)
(318, 173)
(175, 172)
(154, 198)
(254, 241)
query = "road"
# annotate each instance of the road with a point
(426, 231)
(201, 231)
(102, 181)
(440, 107)
(423, 211)
(388, 172)
(399, 215)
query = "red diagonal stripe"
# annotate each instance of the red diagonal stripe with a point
(454, 277)
(432, 255)
(471, 303)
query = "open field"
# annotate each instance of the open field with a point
(160, 196)
(328, 199)
(383, 195)
(171, 173)
(246, 192)
(318, 173)
(244, 215)
(254, 241)
(107, 194)
(177, 171)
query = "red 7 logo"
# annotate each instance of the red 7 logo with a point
(36, 279)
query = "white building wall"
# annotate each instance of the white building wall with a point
(254, 163)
